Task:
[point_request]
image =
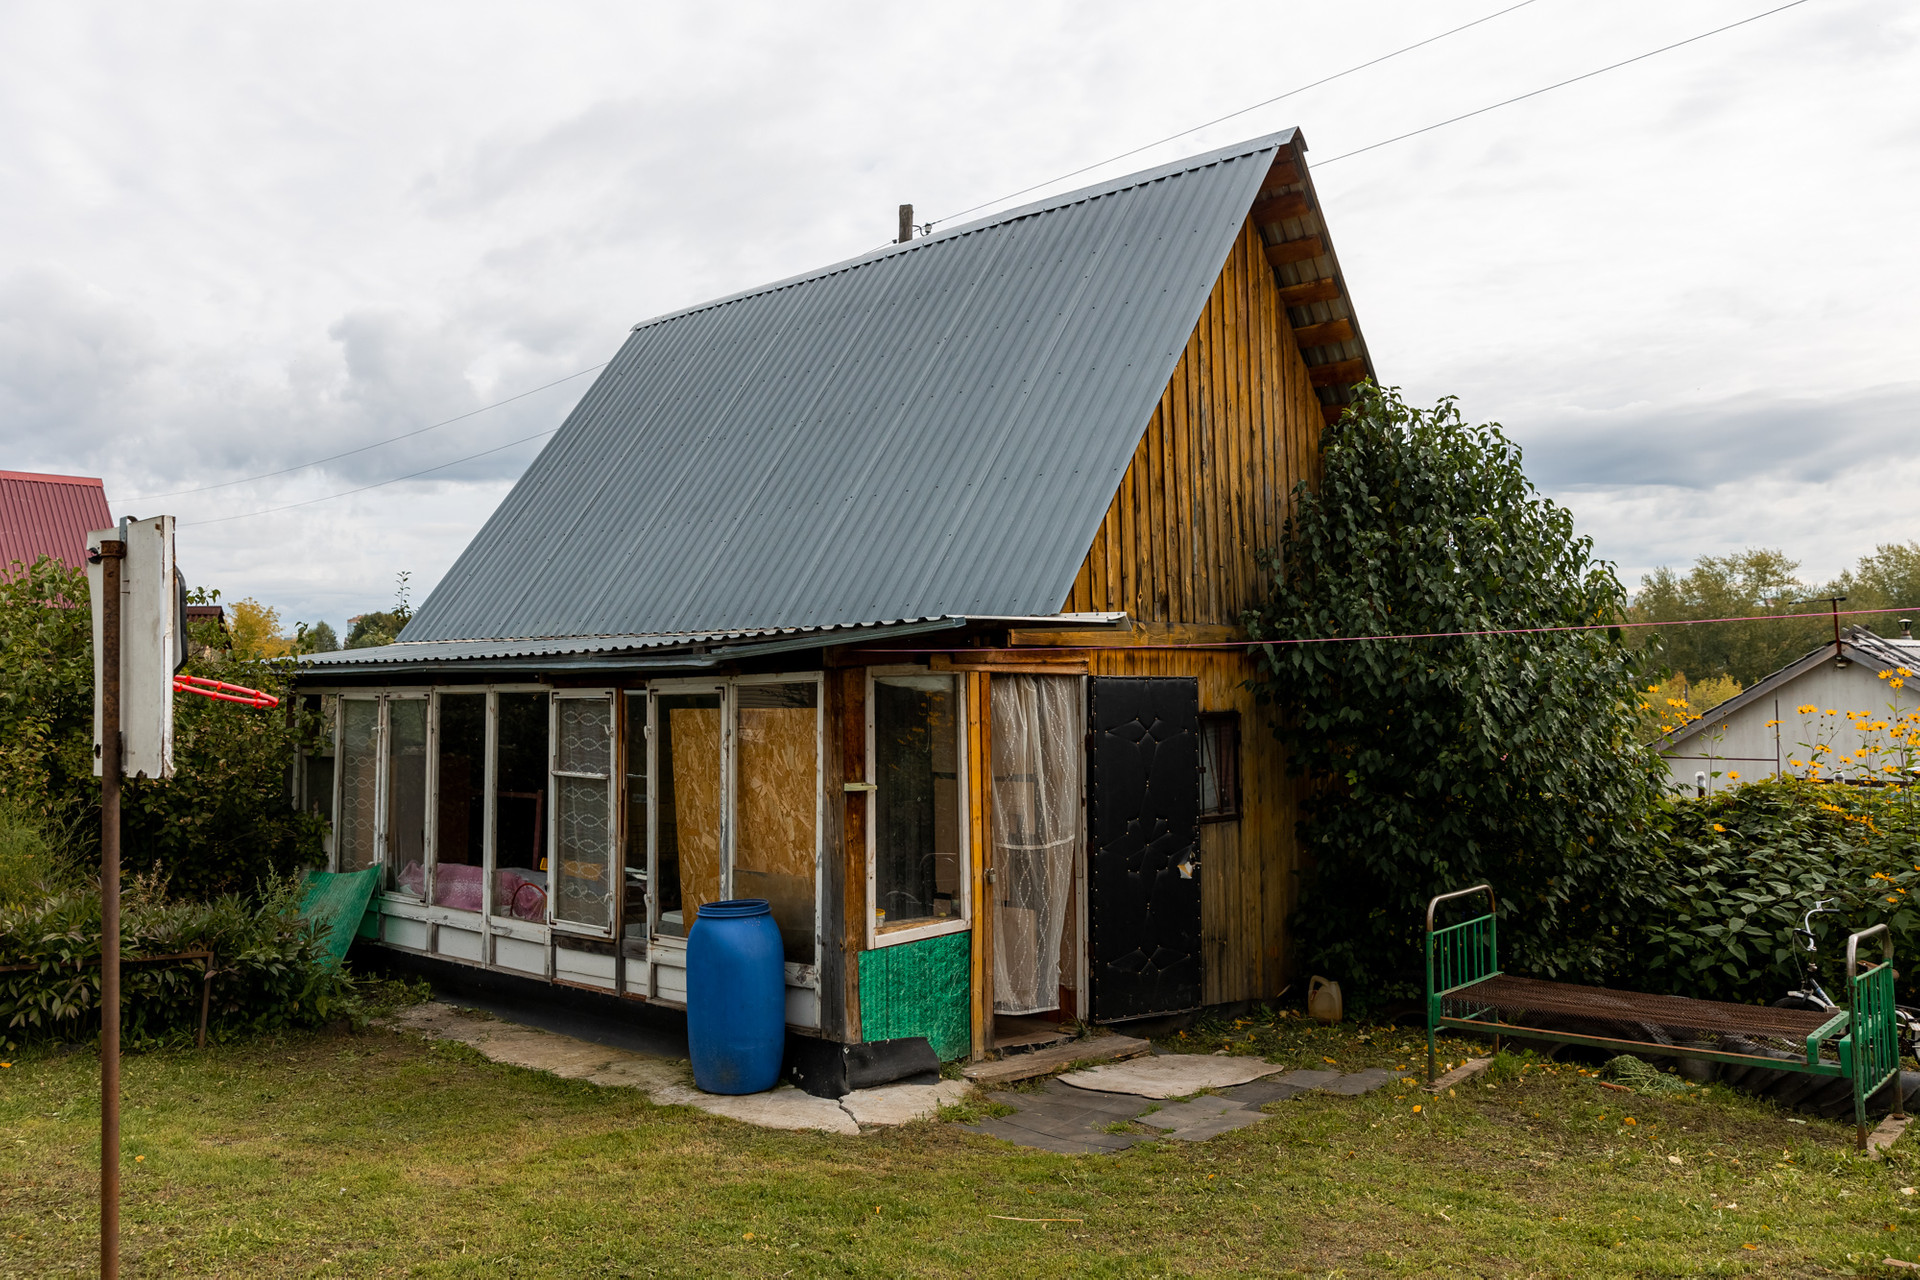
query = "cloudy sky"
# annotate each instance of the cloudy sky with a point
(237, 239)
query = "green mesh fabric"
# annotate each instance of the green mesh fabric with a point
(919, 989)
(337, 902)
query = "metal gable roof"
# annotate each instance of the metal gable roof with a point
(933, 429)
(47, 515)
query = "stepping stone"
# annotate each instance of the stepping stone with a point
(1007, 1129)
(1261, 1092)
(1218, 1125)
(1173, 1075)
(1316, 1079)
(900, 1103)
(1356, 1083)
(1184, 1115)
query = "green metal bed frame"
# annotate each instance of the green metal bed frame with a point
(1863, 1038)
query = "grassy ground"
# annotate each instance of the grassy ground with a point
(371, 1154)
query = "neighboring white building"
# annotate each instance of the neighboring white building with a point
(1828, 715)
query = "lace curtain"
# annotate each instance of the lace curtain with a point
(1036, 833)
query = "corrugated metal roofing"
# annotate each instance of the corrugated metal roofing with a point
(45, 515)
(932, 429)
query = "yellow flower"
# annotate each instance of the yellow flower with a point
(1831, 711)
(1772, 723)
(1904, 672)
(1735, 774)
(1809, 707)
(1894, 900)
(1896, 684)
(1718, 827)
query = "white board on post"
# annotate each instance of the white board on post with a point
(152, 634)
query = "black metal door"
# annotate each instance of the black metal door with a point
(1143, 845)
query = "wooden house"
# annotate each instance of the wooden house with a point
(885, 593)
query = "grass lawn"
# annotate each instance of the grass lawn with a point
(372, 1154)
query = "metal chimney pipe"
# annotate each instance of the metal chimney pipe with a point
(906, 224)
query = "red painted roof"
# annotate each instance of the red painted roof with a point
(42, 515)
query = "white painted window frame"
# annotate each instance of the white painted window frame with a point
(962, 921)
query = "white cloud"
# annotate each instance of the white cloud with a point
(239, 239)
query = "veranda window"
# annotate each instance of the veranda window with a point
(581, 871)
(406, 796)
(357, 830)
(777, 805)
(916, 849)
(460, 800)
(520, 806)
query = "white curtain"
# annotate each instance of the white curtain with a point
(1036, 834)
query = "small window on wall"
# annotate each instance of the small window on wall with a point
(918, 861)
(316, 760)
(1219, 766)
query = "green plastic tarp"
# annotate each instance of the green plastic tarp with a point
(336, 902)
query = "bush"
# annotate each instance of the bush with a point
(270, 971)
(1727, 878)
(1434, 764)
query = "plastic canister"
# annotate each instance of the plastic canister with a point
(736, 997)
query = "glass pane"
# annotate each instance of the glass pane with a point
(460, 815)
(407, 796)
(635, 923)
(316, 791)
(776, 792)
(688, 811)
(1210, 744)
(520, 807)
(916, 763)
(582, 876)
(359, 780)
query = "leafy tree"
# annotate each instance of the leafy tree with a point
(1753, 581)
(371, 629)
(223, 822)
(1434, 764)
(318, 638)
(255, 630)
(1889, 579)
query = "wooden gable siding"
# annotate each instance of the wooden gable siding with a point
(1237, 426)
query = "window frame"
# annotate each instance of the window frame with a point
(1232, 807)
(962, 920)
(611, 780)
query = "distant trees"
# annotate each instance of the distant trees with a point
(1762, 581)
(255, 631)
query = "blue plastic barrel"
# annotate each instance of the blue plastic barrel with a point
(736, 997)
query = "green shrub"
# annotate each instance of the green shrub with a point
(1437, 763)
(270, 971)
(1727, 878)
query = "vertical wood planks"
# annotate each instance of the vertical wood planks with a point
(851, 714)
(1208, 488)
(979, 708)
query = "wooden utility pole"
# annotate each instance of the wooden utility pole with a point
(112, 559)
(906, 224)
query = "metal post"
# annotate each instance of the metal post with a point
(112, 555)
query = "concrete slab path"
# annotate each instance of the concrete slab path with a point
(668, 1082)
(1172, 1075)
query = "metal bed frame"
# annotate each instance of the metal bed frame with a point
(1467, 991)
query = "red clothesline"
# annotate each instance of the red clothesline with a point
(1415, 635)
(221, 691)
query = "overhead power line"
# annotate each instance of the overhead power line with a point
(1372, 62)
(405, 435)
(1615, 66)
(378, 484)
